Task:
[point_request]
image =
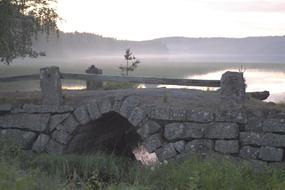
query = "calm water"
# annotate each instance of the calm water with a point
(259, 76)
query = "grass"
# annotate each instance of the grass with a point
(20, 170)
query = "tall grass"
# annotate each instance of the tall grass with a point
(19, 170)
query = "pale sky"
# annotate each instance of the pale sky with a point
(149, 19)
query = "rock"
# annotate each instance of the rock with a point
(232, 116)
(32, 122)
(54, 148)
(166, 152)
(152, 143)
(106, 106)
(93, 110)
(5, 108)
(137, 116)
(61, 136)
(223, 131)
(195, 130)
(254, 124)
(227, 147)
(176, 131)
(117, 104)
(69, 125)
(271, 154)
(168, 113)
(199, 116)
(249, 152)
(199, 146)
(30, 108)
(82, 115)
(179, 146)
(129, 105)
(260, 95)
(50, 83)
(55, 120)
(41, 142)
(148, 129)
(93, 84)
(232, 90)
(267, 139)
(251, 138)
(274, 125)
(23, 138)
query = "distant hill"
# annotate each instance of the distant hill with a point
(236, 46)
(248, 49)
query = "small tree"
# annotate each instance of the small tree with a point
(131, 62)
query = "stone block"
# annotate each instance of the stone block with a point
(51, 86)
(168, 113)
(227, 147)
(232, 90)
(93, 110)
(176, 131)
(199, 146)
(233, 116)
(249, 152)
(137, 116)
(271, 154)
(179, 146)
(54, 148)
(148, 129)
(199, 116)
(262, 139)
(166, 152)
(94, 84)
(274, 125)
(32, 122)
(152, 143)
(82, 115)
(69, 125)
(223, 131)
(61, 136)
(129, 105)
(23, 138)
(251, 138)
(54, 109)
(105, 106)
(41, 142)
(55, 120)
(254, 124)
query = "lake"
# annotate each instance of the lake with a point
(259, 76)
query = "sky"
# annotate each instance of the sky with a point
(150, 19)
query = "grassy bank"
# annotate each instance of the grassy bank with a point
(25, 171)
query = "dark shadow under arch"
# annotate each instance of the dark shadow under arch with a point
(111, 133)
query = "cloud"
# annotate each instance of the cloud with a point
(247, 6)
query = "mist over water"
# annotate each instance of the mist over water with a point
(259, 75)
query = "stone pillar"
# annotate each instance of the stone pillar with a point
(232, 90)
(92, 84)
(51, 86)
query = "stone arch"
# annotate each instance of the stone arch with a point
(126, 110)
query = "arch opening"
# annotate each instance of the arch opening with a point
(111, 133)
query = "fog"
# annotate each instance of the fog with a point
(168, 57)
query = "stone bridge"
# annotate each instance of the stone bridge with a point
(170, 122)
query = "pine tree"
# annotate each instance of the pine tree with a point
(131, 62)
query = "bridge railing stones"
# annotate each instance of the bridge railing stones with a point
(50, 83)
(232, 84)
(232, 90)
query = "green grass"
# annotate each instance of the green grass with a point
(20, 170)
